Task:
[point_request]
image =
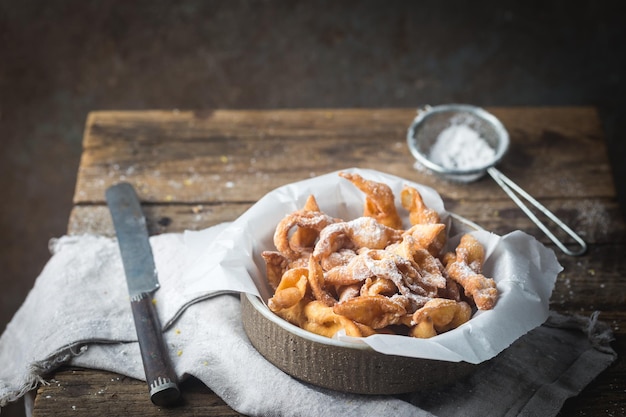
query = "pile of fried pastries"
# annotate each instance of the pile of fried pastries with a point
(369, 275)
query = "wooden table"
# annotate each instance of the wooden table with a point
(196, 169)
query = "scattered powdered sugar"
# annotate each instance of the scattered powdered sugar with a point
(461, 147)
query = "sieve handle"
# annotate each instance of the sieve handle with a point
(511, 188)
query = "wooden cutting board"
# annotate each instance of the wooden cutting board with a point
(196, 169)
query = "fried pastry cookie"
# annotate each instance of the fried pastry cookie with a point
(368, 275)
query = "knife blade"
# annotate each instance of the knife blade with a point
(142, 280)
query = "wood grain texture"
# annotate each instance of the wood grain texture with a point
(593, 218)
(82, 392)
(238, 156)
(193, 170)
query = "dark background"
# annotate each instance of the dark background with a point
(61, 59)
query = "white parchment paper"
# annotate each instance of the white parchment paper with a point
(525, 271)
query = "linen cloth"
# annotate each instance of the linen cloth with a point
(78, 313)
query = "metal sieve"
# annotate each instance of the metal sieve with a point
(426, 132)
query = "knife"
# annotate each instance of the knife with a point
(142, 280)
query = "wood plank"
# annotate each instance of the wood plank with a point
(597, 220)
(235, 156)
(594, 282)
(83, 392)
(160, 218)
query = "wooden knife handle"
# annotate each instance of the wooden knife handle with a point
(160, 374)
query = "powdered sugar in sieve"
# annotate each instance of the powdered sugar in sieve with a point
(463, 143)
